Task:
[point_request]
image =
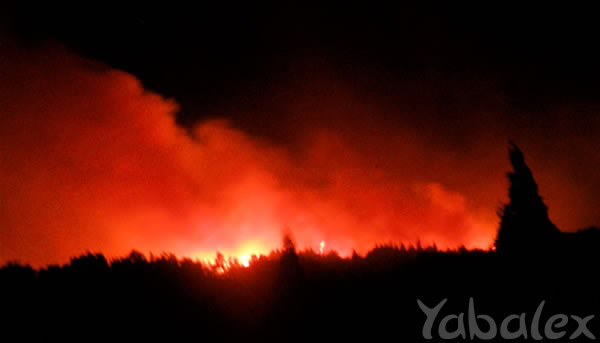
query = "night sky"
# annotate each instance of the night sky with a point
(219, 127)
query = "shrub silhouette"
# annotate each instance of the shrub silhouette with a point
(286, 296)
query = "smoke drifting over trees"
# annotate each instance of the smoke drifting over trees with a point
(92, 160)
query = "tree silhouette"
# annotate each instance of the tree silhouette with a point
(524, 223)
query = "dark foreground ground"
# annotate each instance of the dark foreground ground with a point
(291, 296)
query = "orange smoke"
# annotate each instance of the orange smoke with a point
(89, 160)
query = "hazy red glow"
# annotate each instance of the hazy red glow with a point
(89, 160)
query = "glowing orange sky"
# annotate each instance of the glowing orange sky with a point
(89, 160)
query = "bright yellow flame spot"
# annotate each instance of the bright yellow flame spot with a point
(322, 247)
(243, 254)
(245, 260)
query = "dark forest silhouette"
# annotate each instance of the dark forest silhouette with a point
(306, 296)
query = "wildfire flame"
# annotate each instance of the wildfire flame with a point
(245, 260)
(126, 176)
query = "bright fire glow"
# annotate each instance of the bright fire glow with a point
(90, 160)
(245, 260)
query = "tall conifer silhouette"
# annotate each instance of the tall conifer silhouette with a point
(524, 222)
